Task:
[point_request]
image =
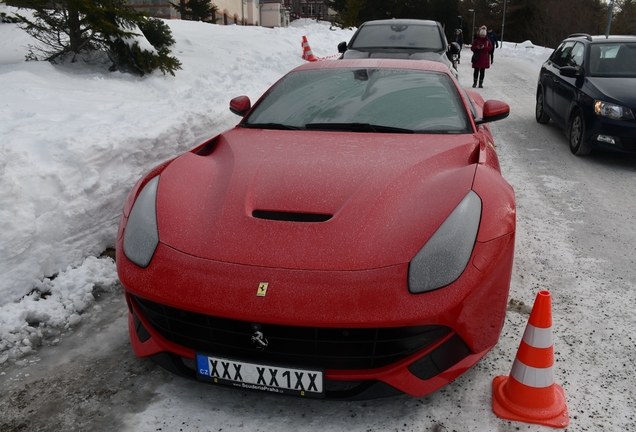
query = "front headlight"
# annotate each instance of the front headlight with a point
(613, 111)
(445, 256)
(142, 236)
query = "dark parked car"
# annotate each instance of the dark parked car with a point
(410, 39)
(588, 87)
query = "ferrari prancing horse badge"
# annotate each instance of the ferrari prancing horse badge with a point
(262, 289)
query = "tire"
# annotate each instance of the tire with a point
(539, 112)
(576, 134)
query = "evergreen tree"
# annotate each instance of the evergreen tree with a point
(4, 18)
(80, 29)
(349, 15)
(554, 20)
(352, 13)
(544, 22)
(197, 10)
(623, 22)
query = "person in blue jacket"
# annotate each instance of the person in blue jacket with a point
(494, 40)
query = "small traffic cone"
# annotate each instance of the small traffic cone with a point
(307, 54)
(530, 394)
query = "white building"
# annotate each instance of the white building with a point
(274, 14)
(239, 12)
(267, 13)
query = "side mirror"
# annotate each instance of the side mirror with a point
(342, 47)
(569, 71)
(454, 48)
(494, 110)
(240, 105)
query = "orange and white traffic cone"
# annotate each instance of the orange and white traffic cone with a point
(530, 394)
(307, 54)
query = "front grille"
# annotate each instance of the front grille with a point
(329, 348)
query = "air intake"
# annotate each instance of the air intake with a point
(290, 216)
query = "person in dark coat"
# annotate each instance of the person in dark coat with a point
(481, 47)
(494, 40)
(459, 38)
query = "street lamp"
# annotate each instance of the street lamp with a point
(473, 11)
(503, 22)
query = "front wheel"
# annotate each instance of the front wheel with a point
(576, 134)
(539, 112)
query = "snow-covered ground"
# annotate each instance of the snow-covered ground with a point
(74, 139)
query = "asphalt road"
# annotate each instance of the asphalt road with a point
(575, 238)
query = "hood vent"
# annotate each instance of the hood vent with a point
(290, 216)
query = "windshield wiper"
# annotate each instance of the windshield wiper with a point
(356, 127)
(275, 126)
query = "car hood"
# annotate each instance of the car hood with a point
(349, 201)
(401, 54)
(617, 90)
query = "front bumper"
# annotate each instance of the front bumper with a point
(622, 133)
(472, 311)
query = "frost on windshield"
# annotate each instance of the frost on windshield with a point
(409, 99)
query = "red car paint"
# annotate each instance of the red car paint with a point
(385, 195)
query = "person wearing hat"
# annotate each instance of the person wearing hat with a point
(481, 49)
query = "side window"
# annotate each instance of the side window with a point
(557, 53)
(562, 55)
(576, 56)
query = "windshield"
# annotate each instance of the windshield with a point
(363, 100)
(413, 36)
(613, 59)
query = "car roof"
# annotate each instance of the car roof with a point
(401, 21)
(601, 38)
(423, 65)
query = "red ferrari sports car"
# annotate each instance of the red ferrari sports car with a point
(352, 237)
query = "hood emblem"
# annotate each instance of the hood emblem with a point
(262, 289)
(260, 340)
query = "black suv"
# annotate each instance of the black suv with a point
(401, 39)
(588, 87)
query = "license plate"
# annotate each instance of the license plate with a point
(253, 376)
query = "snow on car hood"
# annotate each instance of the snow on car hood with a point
(376, 198)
